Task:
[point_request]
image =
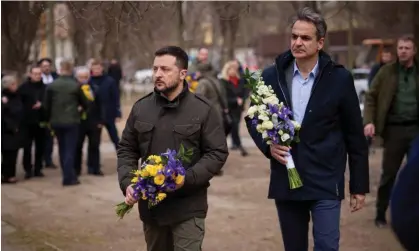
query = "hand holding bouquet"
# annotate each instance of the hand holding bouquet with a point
(271, 119)
(157, 176)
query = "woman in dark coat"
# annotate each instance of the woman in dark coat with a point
(235, 91)
(11, 133)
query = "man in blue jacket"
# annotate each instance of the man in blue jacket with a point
(405, 203)
(109, 96)
(322, 96)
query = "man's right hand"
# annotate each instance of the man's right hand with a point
(129, 197)
(369, 130)
(280, 153)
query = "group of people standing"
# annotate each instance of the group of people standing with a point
(69, 106)
(228, 93)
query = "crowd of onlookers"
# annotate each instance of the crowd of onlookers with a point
(70, 105)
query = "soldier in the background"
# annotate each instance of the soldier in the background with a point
(62, 100)
(392, 113)
(48, 76)
(91, 124)
(202, 58)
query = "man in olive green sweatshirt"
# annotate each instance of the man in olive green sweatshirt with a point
(392, 113)
(62, 100)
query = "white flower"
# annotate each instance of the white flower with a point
(259, 128)
(264, 134)
(285, 137)
(297, 125)
(262, 90)
(271, 100)
(251, 111)
(268, 125)
(280, 132)
(263, 117)
(275, 119)
(269, 142)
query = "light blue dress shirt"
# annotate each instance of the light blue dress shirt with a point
(301, 91)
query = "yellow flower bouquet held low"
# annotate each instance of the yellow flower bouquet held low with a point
(158, 175)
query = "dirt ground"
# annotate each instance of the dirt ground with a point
(42, 215)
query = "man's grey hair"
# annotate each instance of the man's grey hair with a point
(81, 70)
(7, 80)
(309, 15)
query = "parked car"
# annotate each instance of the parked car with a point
(361, 84)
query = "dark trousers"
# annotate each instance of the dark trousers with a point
(235, 127)
(8, 164)
(67, 142)
(34, 133)
(294, 218)
(49, 146)
(185, 236)
(93, 133)
(113, 133)
(397, 142)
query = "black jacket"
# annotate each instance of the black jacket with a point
(331, 132)
(12, 135)
(30, 93)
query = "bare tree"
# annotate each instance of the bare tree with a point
(229, 15)
(19, 26)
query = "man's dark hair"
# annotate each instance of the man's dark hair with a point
(177, 52)
(309, 15)
(44, 59)
(33, 67)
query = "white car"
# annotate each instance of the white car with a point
(361, 84)
(143, 80)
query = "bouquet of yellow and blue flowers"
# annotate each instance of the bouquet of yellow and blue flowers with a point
(158, 175)
(192, 80)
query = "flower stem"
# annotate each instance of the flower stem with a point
(294, 178)
(122, 209)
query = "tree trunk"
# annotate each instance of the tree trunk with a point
(180, 24)
(19, 26)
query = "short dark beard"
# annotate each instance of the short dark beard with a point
(168, 90)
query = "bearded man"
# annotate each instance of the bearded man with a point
(164, 119)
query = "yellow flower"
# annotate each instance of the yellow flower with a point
(144, 173)
(143, 196)
(161, 196)
(134, 180)
(159, 179)
(137, 173)
(155, 158)
(152, 170)
(159, 167)
(188, 78)
(179, 179)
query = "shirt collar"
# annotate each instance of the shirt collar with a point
(313, 71)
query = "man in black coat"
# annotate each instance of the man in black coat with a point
(32, 93)
(110, 99)
(323, 99)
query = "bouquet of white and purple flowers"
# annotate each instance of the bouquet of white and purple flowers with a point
(272, 120)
